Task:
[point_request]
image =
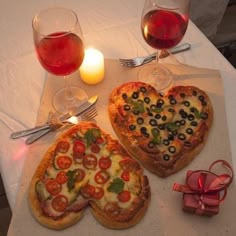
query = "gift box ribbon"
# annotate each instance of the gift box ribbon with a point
(205, 183)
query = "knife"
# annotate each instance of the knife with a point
(76, 112)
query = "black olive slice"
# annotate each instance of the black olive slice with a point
(126, 107)
(166, 142)
(124, 96)
(182, 136)
(178, 123)
(201, 98)
(173, 101)
(187, 103)
(158, 116)
(140, 120)
(194, 93)
(182, 122)
(147, 100)
(182, 95)
(143, 130)
(193, 123)
(171, 110)
(166, 157)
(135, 95)
(189, 131)
(172, 149)
(143, 89)
(153, 122)
(132, 127)
(191, 117)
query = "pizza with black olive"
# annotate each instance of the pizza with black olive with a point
(163, 132)
(85, 167)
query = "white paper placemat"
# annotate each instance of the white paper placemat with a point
(164, 215)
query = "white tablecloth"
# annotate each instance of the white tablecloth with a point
(113, 27)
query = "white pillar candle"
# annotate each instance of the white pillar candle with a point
(92, 68)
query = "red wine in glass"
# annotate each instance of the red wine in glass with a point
(60, 53)
(58, 41)
(163, 29)
(163, 25)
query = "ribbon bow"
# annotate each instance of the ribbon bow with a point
(205, 184)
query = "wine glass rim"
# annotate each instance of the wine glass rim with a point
(54, 8)
(166, 7)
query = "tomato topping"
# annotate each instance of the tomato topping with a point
(99, 192)
(88, 190)
(129, 164)
(125, 175)
(90, 161)
(95, 148)
(101, 177)
(104, 162)
(63, 146)
(60, 203)
(80, 174)
(53, 187)
(64, 162)
(99, 140)
(79, 147)
(124, 196)
(61, 177)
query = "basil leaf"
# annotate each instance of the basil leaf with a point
(139, 106)
(156, 109)
(91, 135)
(155, 132)
(171, 126)
(71, 179)
(197, 113)
(116, 186)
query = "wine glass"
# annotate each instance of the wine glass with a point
(59, 46)
(163, 25)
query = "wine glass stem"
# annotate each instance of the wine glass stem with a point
(68, 93)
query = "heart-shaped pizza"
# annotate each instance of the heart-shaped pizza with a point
(163, 132)
(86, 167)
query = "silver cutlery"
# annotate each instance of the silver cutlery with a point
(63, 119)
(88, 115)
(138, 61)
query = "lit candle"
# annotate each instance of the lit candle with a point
(92, 68)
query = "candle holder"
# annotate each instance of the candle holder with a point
(92, 68)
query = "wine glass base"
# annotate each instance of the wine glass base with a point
(156, 75)
(63, 103)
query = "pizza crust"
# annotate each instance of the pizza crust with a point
(153, 161)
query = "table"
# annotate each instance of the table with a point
(110, 26)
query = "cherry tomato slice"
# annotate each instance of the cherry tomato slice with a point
(60, 203)
(90, 161)
(63, 146)
(79, 147)
(99, 140)
(124, 196)
(99, 192)
(53, 187)
(125, 175)
(80, 174)
(95, 148)
(104, 163)
(101, 177)
(88, 190)
(64, 162)
(61, 177)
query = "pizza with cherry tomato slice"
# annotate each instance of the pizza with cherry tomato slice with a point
(87, 168)
(164, 132)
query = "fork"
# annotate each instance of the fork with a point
(138, 61)
(89, 115)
